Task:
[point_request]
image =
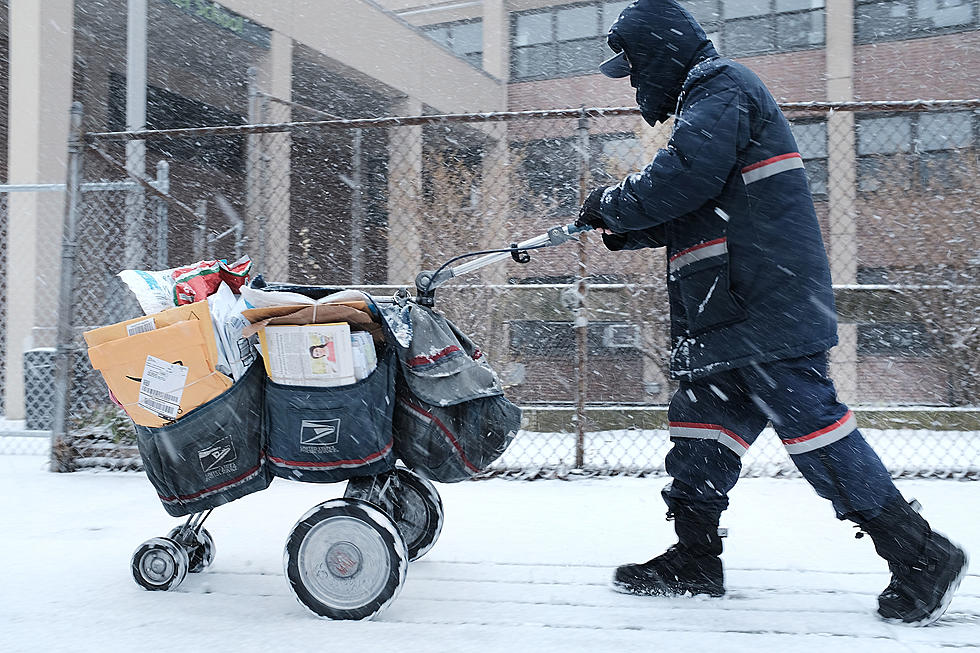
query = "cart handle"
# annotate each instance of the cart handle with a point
(427, 281)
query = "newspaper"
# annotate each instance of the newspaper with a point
(311, 354)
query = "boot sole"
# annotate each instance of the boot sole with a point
(625, 588)
(934, 616)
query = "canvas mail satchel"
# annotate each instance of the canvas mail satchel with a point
(451, 420)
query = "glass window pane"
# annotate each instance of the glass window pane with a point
(577, 22)
(621, 156)
(944, 131)
(798, 5)
(944, 170)
(579, 56)
(816, 176)
(748, 37)
(439, 35)
(533, 28)
(800, 30)
(468, 37)
(610, 12)
(811, 138)
(534, 61)
(884, 135)
(705, 11)
(882, 20)
(740, 8)
(884, 173)
(944, 13)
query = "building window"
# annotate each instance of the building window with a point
(811, 139)
(463, 38)
(894, 339)
(897, 151)
(561, 41)
(552, 169)
(744, 28)
(556, 340)
(892, 20)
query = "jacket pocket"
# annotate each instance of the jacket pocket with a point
(704, 290)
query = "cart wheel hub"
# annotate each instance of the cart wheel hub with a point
(158, 565)
(344, 559)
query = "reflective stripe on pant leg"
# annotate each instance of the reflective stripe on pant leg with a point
(822, 437)
(820, 434)
(712, 423)
(720, 434)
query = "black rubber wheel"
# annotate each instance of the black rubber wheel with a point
(159, 564)
(411, 501)
(199, 547)
(344, 559)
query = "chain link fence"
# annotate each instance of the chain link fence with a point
(578, 334)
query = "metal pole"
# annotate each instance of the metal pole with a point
(135, 240)
(202, 248)
(163, 227)
(61, 459)
(254, 175)
(357, 212)
(580, 311)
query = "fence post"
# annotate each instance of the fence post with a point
(356, 210)
(255, 176)
(202, 247)
(163, 228)
(61, 458)
(580, 310)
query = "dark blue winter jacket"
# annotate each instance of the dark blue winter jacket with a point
(747, 275)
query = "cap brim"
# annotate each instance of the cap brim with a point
(615, 66)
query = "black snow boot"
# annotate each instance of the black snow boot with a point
(693, 565)
(926, 567)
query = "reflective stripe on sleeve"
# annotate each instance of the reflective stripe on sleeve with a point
(715, 432)
(828, 435)
(700, 252)
(770, 167)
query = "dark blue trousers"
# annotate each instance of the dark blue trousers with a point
(714, 421)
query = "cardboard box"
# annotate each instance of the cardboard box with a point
(182, 350)
(195, 311)
(310, 355)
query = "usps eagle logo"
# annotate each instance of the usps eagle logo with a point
(218, 454)
(319, 432)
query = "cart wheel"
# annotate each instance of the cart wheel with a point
(159, 564)
(345, 559)
(412, 503)
(200, 547)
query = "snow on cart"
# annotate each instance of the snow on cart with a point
(344, 385)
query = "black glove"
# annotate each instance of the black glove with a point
(590, 215)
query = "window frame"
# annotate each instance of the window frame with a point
(474, 58)
(817, 195)
(916, 157)
(551, 46)
(719, 25)
(913, 33)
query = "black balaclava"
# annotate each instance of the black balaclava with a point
(662, 42)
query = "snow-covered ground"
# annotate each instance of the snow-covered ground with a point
(520, 566)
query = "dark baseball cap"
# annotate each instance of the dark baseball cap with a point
(615, 66)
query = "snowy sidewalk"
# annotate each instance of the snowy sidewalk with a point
(519, 567)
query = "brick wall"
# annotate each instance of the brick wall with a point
(939, 67)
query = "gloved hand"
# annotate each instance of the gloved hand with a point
(590, 215)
